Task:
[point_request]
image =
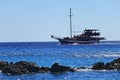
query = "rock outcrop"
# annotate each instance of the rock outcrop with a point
(24, 67)
(56, 68)
(115, 64)
(21, 67)
(3, 64)
(98, 66)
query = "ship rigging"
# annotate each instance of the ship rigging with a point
(89, 36)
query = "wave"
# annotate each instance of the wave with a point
(87, 70)
(100, 55)
(67, 55)
(83, 70)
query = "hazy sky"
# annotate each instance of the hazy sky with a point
(36, 20)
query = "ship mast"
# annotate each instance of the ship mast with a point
(70, 24)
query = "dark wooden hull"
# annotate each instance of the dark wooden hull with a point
(63, 41)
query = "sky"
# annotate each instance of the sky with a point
(36, 20)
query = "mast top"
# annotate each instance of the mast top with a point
(70, 13)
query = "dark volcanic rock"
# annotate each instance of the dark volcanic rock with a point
(30, 66)
(21, 67)
(14, 70)
(98, 66)
(44, 69)
(24, 67)
(3, 64)
(56, 68)
(115, 64)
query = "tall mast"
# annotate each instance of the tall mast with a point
(70, 23)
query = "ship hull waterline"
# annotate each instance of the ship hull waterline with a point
(62, 41)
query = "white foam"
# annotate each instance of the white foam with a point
(86, 69)
(112, 55)
(98, 55)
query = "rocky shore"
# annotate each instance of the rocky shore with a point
(23, 67)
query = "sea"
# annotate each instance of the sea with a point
(75, 56)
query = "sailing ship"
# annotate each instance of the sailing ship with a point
(89, 36)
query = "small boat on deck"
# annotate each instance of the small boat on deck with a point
(89, 36)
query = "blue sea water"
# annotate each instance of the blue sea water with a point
(47, 53)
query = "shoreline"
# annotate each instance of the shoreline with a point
(23, 67)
